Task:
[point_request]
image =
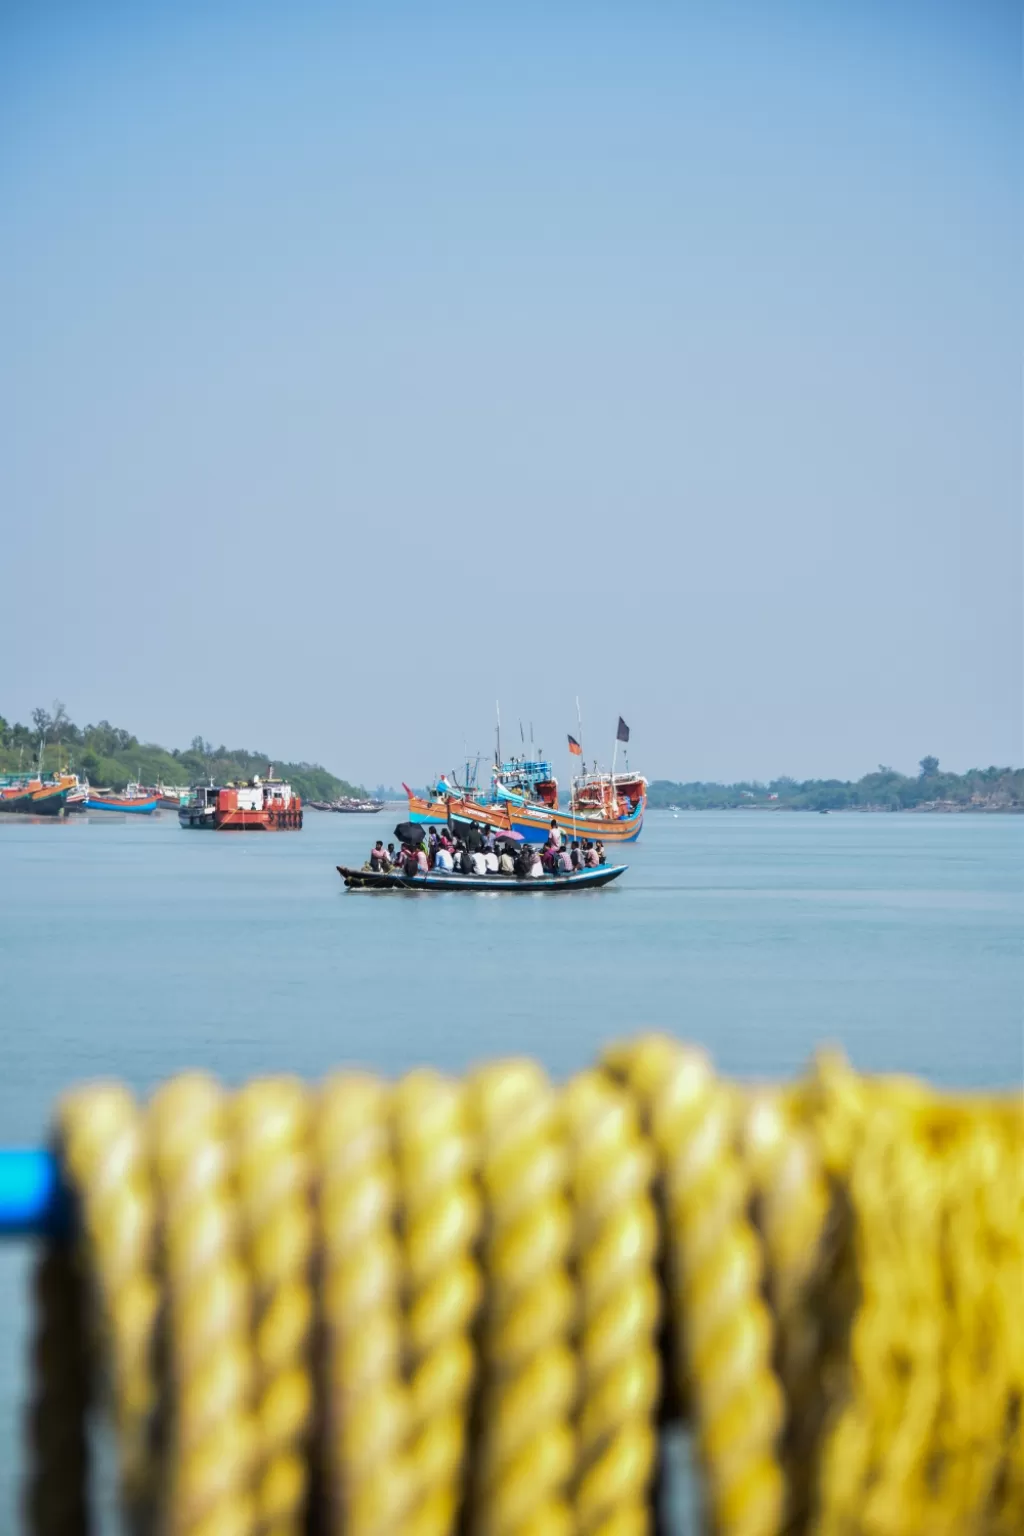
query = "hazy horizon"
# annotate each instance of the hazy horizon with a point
(364, 365)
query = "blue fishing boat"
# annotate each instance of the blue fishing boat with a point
(133, 801)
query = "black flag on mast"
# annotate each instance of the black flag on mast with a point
(622, 734)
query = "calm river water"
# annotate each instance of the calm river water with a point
(130, 947)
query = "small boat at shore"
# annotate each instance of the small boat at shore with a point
(34, 797)
(170, 796)
(581, 880)
(134, 800)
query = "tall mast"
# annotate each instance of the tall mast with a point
(497, 735)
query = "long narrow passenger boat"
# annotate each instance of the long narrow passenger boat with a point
(581, 880)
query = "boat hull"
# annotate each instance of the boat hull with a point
(37, 802)
(534, 825)
(286, 820)
(582, 880)
(143, 807)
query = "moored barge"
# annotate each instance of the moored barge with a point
(259, 805)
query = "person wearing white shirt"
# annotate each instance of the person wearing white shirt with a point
(443, 860)
(536, 868)
(479, 863)
(491, 860)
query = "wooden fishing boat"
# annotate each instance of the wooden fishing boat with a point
(581, 880)
(134, 801)
(33, 798)
(533, 822)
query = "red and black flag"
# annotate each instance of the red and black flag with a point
(574, 747)
(622, 734)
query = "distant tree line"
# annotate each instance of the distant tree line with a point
(988, 789)
(110, 757)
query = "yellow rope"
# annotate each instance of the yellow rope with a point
(271, 1120)
(441, 1216)
(438, 1308)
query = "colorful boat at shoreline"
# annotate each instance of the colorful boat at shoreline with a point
(33, 796)
(259, 805)
(134, 801)
(170, 796)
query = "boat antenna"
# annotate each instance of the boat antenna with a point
(497, 736)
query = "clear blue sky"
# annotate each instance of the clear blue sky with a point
(362, 364)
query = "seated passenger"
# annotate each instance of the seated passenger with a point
(422, 863)
(589, 855)
(549, 854)
(601, 859)
(506, 863)
(391, 857)
(378, 857)
(536, 868)
(491, 860)
(575, 855)
(464, 860)
(479, 862)
(410, 860)
(564, 862)
(443, 859)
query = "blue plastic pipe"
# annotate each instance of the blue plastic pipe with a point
(33, 1202)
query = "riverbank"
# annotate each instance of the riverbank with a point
(979, 789)
(943, 807)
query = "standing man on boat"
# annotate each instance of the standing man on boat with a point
(555, 835)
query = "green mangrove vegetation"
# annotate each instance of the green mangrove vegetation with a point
(110, 757)
(979, 789)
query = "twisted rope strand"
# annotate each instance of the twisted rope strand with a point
(367, 1401)
(212, 1433)
(527, 1450)
(616, 1245)
(271, 1132)
(102, 1146)
(441, 1224)
(725, 1347)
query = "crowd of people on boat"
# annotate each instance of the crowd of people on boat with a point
(483, 850)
